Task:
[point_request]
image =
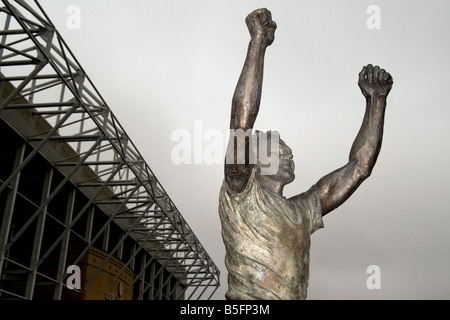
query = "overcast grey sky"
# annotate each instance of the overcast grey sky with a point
(165, 65)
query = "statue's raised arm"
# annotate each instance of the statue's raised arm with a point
(338, 186)
(247, 95)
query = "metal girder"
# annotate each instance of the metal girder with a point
(76, 131)
(8, 212)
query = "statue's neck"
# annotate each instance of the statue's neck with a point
(267, 182)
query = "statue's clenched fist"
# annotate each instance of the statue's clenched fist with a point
(374, 82)
(260, 24)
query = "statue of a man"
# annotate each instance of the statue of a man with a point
(267, 236)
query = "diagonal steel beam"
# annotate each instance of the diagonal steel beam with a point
(49, 199)
(37, 148)
(9, 207)
(111, 254)
(79, 214)
(153, 257)
(136, 251)
(22, 85)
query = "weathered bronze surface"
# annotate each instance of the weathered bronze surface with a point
(267, 236)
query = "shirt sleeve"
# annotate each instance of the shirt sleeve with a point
(309, 205)
(240, 195)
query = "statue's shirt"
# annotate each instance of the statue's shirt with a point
(267, 241)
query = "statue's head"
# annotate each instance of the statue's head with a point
(276, 165)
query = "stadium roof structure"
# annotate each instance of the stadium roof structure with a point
(43, 83)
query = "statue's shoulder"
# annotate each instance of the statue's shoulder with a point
(229, 186)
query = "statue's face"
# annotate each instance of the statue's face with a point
(286, 167)
(285, 164)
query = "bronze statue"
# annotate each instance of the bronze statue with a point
(267, 236)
